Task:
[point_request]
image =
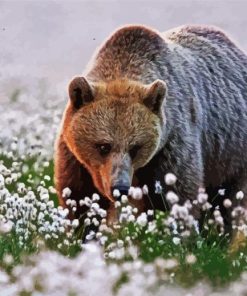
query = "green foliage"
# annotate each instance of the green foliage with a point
(211, 262)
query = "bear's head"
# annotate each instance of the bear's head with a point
(114, 128)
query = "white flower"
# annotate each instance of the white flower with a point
(176, 240)
(46, 164)
(219, 220)
(50, 204)
(87, 222)
(61, 229)
(95, 197)
(124, 199)
(158, 187)
(95, 206)
(170, 179)
(98, 235)
(206, 206)
(14, 177)
(135, 210)
(179, 212)
(217, 213)
(123, 217)
(47, 178)
(8, 181)
(8, 259)
(1, 181)
(102, 213)
(66, 242)
(75, 223)
(44, 197)
(6, 227)
(188, 204)
(210, 221)
(152, 226)
(73, 203)
(227, 203)
(117, 204)
(202, 198)
(21, 188)
(240, 195)
(221, 192)
(196, 226)
(90, 236)
(87, 201)
(66, 192)
(142, 220)
(137, 193)
(131, 218)
(64, 212)
(145, 190)
(112, 255)
(190, 259)
(3, 170)
(120, 243)
(172, 197)
(186, 233)
(68, 202)
(116, 193)
(131, 190)
(95, 222)
(103, 240)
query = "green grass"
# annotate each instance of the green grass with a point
(214, 263)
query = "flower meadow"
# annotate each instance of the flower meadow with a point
(43, 252)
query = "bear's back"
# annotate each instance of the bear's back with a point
(203, 39)
(216, 71)
(135, 52)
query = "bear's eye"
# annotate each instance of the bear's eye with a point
(103, 149)
(133, 151)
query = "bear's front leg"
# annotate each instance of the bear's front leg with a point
(185, 162)
(70, 173)
(189, 173)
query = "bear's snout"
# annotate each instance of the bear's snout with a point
(121, 174)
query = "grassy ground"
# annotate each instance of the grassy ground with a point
(173, 258)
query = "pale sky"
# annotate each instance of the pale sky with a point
(53, 40)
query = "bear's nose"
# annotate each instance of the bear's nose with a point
(123, 189)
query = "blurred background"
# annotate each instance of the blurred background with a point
(45, 43)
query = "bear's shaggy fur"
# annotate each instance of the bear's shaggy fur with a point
(178, 98)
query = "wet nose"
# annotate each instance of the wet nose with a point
(123, 189)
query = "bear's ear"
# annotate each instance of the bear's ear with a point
(155, 95)
(80, 92)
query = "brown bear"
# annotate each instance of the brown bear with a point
(152, 103)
